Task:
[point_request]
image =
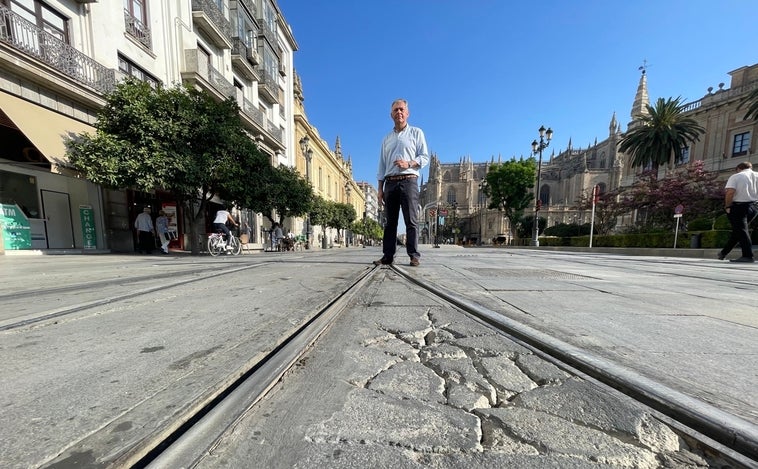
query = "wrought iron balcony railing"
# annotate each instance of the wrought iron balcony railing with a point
(137, 29)
(215, 15)
(27, 38)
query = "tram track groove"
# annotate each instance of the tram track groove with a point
(186, 444)
(67, 310)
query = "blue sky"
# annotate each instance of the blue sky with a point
(481, 76)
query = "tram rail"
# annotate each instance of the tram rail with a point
(157, 282)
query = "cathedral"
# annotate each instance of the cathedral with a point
(455, 190)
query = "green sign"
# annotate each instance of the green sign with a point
(89, 233)
(17, 233)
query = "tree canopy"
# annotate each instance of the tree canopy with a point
(510, 187)
(654, 200)
(659, 137)
(281, 190)
(178, 139)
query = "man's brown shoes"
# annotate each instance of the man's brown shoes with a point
(383, 261)
(414, 261)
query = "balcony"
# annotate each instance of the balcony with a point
(245, 59)
(35, 43)
(267, 32)
(255, 120)
(253, 114)
(198, 72)
(211, 20)
(268, 88)
(138, 30)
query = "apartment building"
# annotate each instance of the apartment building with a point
(329, 171)
(59, 57)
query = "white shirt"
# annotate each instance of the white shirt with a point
(409, 145)
(745, 185)
(221, 216)
(143, 222)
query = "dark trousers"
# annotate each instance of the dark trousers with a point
(740, 215)
(222, 228)
(399, 195)
(146, 241)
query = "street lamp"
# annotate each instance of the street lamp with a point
(305, 146)
(482, 204)
(348, 189)
(455, 223)
(437, 225)
(537, 147)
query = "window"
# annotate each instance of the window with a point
(136, 8)
(245, 28)
(741, 144)
(545, 195)
(128, 67)
(451, 199)
(269, 15)
(43, 16)
(685, 156)
(20, 189)
(240, 93)
(270, 63)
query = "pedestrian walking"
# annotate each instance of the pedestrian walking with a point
(741, 205)
(403, 154)
(145, 229)
(161, 226)
(276, 236)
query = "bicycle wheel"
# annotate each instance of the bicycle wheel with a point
(213, 246)
(234, 242)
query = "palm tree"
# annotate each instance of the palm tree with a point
(659, 137)
(752, 105)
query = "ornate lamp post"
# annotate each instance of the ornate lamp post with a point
(537, 147)
(305, 146)
(482, 205)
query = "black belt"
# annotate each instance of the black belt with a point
(400, 177)
(745, 203)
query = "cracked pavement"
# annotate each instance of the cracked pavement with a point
(402, 380)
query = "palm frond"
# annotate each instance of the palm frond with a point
(751, 100)
(660, 134)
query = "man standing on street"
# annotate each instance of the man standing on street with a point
(144, 226)
(402, 155)
(741, 205)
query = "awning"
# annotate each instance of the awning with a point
(46, 129)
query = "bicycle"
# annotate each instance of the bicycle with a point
(217, 245)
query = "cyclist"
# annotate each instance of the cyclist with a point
(219, 224)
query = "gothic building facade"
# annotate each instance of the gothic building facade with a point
(569, 174)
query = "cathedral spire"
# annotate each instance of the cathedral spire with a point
(641, 99)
